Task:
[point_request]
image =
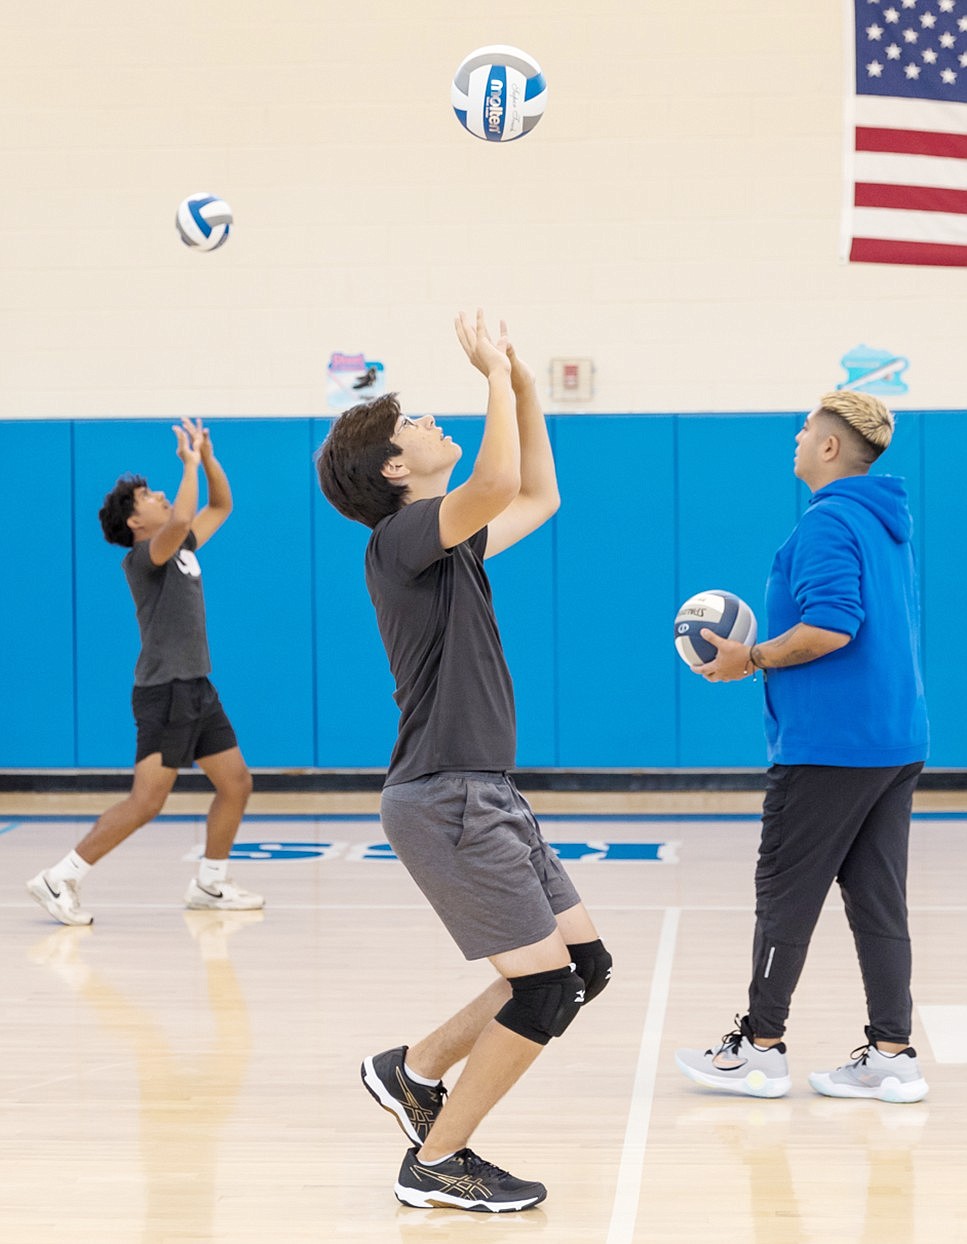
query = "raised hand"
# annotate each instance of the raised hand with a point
(488, 356)
(190, 438)
(197, 432)
(520, 374)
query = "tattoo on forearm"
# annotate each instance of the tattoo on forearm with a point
(795, 656)
(786, 649)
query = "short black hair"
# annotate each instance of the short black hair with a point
(117, 509)
(349, 461)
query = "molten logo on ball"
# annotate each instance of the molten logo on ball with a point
(495, 107)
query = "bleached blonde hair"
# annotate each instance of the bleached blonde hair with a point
(864, 413)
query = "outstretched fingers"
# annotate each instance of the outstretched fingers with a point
(465, 333)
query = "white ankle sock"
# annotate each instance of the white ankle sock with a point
(70, 868)
(436, 1161)
(212, 872)
(418, 1079)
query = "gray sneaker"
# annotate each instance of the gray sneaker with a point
(415, 1105)
(464, 1181)
(887, 1077)
(738, 1065)
(61, 899)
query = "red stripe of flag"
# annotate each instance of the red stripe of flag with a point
(910, 198)
(879, 250)
(911, 142)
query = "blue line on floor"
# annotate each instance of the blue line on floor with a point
(296, 818)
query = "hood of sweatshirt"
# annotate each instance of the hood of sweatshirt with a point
(885, 496)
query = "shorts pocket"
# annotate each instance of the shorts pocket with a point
(493, 828)
(185, 704)
(152, 705)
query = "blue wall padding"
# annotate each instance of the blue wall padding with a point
(655, 508)
(37, 597)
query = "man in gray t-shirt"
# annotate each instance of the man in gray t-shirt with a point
(449, 808)
(179, 717)
(170, 606)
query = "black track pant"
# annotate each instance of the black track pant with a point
(821, 824)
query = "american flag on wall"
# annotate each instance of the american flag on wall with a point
(907, 139)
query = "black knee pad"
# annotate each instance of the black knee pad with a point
(542, 1004)
(593, 963)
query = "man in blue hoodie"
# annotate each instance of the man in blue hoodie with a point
(846, 727)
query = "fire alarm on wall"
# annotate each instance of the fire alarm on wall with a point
(571, 380)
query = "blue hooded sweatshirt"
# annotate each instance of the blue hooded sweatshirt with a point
(849, 567)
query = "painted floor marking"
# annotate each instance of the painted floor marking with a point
(946, 1028)
(624, 1214)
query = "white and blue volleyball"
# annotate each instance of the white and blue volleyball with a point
(722, 612)
(498, 93)
(203, 222)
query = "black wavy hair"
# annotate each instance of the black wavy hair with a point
(349, 461)
(117, 509)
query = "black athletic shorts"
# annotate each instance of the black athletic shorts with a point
(183, 720)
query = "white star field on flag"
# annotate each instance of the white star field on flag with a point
(915, 48)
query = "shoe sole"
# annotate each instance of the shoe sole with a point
(440, 1200)
(224, 906)
(755, 1084)
(895, 1091)
(39, 894)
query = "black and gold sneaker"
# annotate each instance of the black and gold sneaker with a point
(464, 1181)
(415, 1106)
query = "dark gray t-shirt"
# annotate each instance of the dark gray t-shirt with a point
(171, 614)
(435, 614)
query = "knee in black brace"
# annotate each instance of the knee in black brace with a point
(542, 1004)
(593, 963)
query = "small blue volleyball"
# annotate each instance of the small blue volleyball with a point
(722, 612)
(203, 221)
(498, 93)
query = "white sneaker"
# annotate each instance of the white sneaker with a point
(224, 896)
(738, 1065)
(887, 1077)
(61, 900)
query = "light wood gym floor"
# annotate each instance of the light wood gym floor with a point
(173, 1077)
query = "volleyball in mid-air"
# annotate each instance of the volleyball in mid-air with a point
(203, 221)
(722, 612)
(498, 93)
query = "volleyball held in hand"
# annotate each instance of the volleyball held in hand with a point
(203, 222)
(498, 93)
(722, 612)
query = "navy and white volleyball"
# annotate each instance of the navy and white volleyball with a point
(722, 612)
(203, 221)
(498, 93)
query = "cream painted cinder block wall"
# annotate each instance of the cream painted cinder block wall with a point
(675, 216)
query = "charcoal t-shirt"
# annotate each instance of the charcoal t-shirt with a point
(435, 614)
(171, 614)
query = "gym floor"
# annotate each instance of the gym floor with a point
(193, 1076)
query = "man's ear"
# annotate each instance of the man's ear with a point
(831, 447)
(394, 468)
(133, 522)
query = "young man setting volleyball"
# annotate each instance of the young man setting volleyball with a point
(847, 734)
(179, 717)
(449, 808)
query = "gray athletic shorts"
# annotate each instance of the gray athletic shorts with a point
(472, 844)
